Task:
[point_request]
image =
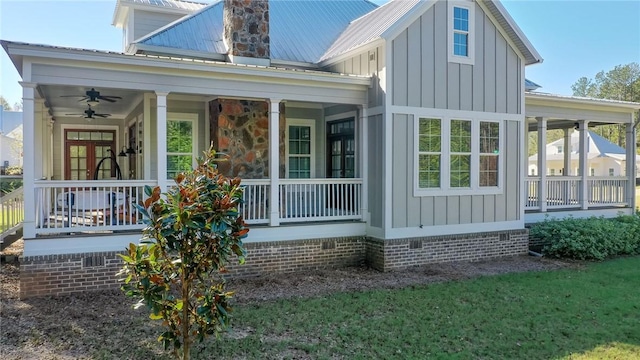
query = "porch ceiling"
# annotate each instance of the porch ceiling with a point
(555, 124)
(60, 106)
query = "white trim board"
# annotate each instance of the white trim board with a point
(453, 229)
(304, 231)
(531, 218)
(77, 245)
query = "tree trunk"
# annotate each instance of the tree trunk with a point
(186, 336)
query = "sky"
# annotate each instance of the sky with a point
(576, 38)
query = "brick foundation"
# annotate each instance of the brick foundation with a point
(73, 273)
(387, 255)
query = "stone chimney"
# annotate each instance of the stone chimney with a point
(246, 31)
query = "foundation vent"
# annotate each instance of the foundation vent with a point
(415, 244)
(328, 245)
(93, 261)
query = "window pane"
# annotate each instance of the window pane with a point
(107, 136)
(489, 170)
(84, 136)
(293, 147)
(489, 137)
(460, 170)
(179, 137)
(429, 171)
(429, 139)
(461, 19)
(460, 44)
(177, 164)
(460, 136)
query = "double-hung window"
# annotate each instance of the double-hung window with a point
(460, 31)
(489, 153)
(429, 152)
(457, 156)
(181, 143)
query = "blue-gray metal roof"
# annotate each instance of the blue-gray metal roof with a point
(530, 85)
(173, 4)
(605, 146)
(299, 31)
(201, 31)
(369, 27)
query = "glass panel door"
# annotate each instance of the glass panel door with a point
(341, 149)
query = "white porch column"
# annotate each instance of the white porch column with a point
(542, 162)
(38, 133)
(567, 153)
(29, 159)
(364, 162)
(161, 140)
(630, 142)
(274, 162)
(50, 124)
(584, 163)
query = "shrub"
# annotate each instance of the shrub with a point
(589, 239)
(191, 234)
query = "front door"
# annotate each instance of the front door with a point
(341, 145)
(83, 151)
(341, 155)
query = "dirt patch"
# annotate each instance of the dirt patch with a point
(84, 325)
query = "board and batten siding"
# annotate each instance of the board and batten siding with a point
(375, 173)
(411, 211)
(146, 22)
(423, 77)
(370, 63)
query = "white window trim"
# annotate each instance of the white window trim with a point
(193, 118)
(470, 58)
(445, 188)
(301, 122)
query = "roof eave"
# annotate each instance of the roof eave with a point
(532, 56)
(48, 52)
(581, 101)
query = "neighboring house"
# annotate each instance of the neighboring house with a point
(393, 135)
(10, 139)
(604, 158)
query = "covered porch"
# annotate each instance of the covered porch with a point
(567, 177)
(294, 137)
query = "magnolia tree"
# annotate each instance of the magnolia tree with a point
(190, 235)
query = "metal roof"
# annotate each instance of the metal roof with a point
(580, 99)
(201, 31)
(369, 27)
(530, 85)
(172, 4)
(299, 31)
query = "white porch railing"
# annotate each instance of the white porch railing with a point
(532, 187)
(563, 192)
(320, 199)
(88, 206)
(11, 211)
(102, 206)
(255, 208)
(607, 191)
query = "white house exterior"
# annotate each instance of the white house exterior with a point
(391, 135)
(10, 138)
(604, 158)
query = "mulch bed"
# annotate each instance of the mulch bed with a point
(31, 329)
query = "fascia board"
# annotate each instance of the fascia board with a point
(134, 48)
(40, 55)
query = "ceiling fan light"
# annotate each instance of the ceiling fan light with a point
(93, 102)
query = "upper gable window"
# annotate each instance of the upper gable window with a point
(460, 30)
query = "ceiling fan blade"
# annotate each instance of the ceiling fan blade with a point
(75, 114)
(102, 115)
(107, 98)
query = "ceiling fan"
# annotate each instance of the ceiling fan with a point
(90, 114)
(92, 97)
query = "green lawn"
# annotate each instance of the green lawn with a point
(583, 314)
